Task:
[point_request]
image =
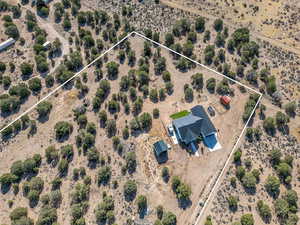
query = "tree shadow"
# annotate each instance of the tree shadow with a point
(184, 203)
(43, 119)
(5, 188)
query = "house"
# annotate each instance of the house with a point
(7, 43)
(195, 125)
(225, 100)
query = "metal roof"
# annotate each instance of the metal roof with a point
(194, 125)
(160, 147)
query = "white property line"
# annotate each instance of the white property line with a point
(219, 177)
(226, 164)
(197, 63)
(60, 86)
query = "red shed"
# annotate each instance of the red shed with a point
(225, 100)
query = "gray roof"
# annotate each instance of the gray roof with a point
(194, 125)
(160, 147)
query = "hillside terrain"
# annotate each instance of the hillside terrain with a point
(82, 153)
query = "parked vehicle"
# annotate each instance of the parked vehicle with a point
(170, 130)
(211, 111)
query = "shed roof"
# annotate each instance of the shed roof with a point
(160, 147)
(225, 99)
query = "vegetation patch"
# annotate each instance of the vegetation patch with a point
(180, 114)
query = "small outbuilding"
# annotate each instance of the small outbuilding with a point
(160, 148)
(225, 100)
(7, 43)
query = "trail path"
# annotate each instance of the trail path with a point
(277, 43)
(47, 25)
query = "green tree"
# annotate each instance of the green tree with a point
(35, 84)
(145, 121)
(130, 189)
(104, 175)
(218, 25)
(247, 219)
(249, 181)
(26, 69)
(169, 219)
(142, 203)
(232, 202)
(197, 81)
(281, 208)
(272, 185)
(63, 129)
(200, 24)
(264, 210)
(269, 125)
(112, 69)
(44, 108)
(169, 39)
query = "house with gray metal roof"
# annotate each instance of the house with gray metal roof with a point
(195, 125)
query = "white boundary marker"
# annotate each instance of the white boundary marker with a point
(219, 177)
(60, 86)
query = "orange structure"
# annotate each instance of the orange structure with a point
(225, 100)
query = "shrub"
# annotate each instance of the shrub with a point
(249, 181)
(269, 125)
(188, 94)
(247, 219)
(281, 208)
(18, 213)
(200, 24)
(51, 154)
(104, 175)
(232, 202)
(142, 203)
(63, 129)
(111, 128)
(67, 152)
(130, 189)
(112, 70)
(17, 169)
(131, 162)
(263, 210)
(218, 25)
(104, 210)
(169, 219)
(290, 108)
(63, 167)
(272, 185)
(165, 173)
(284, 170)
(197, 81)
(145, 121)
(240, 172)
(44, 108)
(169, 39)
(26, 69)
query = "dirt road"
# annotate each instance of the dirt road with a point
(255, 34)
(47, 25)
